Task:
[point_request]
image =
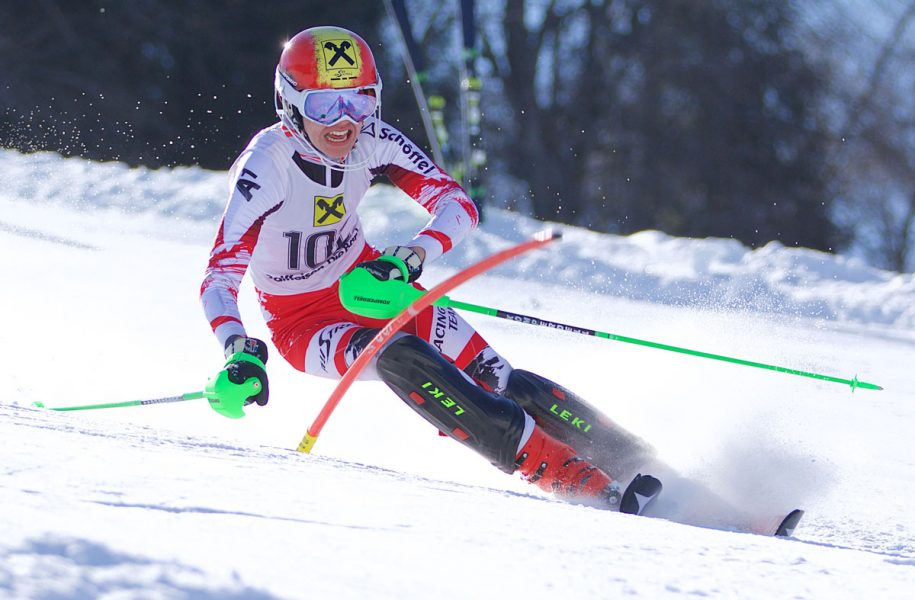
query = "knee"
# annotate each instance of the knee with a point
(490, 370)
(405, 348)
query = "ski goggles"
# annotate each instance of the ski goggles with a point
(326, 107)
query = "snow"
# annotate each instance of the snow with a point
(99, 304)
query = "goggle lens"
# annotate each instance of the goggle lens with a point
(326, 107)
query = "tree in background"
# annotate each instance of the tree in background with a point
(872, 119)
(762, 120)
(435, 29)
(696, 118)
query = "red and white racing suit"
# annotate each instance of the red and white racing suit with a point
(292, 222)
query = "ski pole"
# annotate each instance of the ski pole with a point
(416, 69)
(167, 400)
(360, 293)
(226, 397)
(405, 314)
(503, 314)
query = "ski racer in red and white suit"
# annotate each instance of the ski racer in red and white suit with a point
(292, 222)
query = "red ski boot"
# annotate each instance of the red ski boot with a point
(554, 467)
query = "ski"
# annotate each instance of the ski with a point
(778, 526)
(641, 492)
(789, 523)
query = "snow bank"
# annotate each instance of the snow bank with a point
(711, 274)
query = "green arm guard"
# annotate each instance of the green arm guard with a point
(362, 294)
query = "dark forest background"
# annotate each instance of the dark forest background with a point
(730, 118)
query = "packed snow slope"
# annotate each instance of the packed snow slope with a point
(101, 270)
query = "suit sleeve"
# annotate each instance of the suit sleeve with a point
(454, 214)
(256, 191)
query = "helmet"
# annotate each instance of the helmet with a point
(322, 58)
(328, 59)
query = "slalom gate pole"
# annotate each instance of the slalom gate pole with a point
(416, 69)
(444, 301)
(168, 400)
(404, 317)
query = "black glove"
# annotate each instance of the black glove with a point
(246, 357)
(393, 263)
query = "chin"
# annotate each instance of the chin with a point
(337, 153)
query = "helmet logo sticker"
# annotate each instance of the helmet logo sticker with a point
(341, 59)
(329, 210)
(339, 52)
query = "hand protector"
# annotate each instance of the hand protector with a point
(245, 358)
(396, 262)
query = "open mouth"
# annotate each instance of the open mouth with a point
(338, 137)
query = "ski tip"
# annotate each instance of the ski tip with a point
(641, 492)
(789, 523)
(38, 404)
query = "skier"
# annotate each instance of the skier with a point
(291, 220)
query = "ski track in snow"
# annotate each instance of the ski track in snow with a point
(173, 501)
(149, 496)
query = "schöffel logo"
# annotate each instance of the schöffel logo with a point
(414, 154)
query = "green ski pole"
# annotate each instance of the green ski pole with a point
(362, 294)
(855, 383)
(167, 400)
(226, 398)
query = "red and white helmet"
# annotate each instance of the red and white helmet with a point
(326, 74)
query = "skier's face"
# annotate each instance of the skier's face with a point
(335, 141)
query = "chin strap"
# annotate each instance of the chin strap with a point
(302, 138)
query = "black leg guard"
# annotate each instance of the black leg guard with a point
(424, 379)
(573, 421)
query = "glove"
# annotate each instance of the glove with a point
(245, 358)
(396, 262)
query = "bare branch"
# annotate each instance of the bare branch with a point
(862, 104)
